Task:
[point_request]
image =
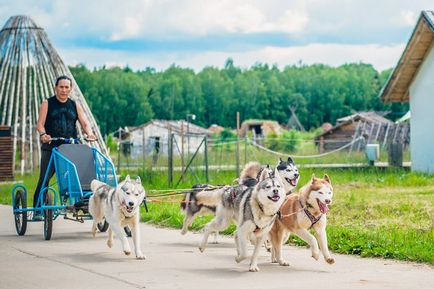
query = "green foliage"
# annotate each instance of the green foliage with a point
(272, 142)
(227, 135)
(288, 141)
(291, 140)
(321, 93)
(111, 144)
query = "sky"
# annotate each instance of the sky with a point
(200, 33)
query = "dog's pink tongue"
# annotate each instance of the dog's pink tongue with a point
(323, 207)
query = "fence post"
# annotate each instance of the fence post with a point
(238, 144)
(245, 150)
(206, 159)
(170, 158)
(144, 150)
(119, 151)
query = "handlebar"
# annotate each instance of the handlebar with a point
(71, 140)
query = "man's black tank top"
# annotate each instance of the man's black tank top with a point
(60, 121)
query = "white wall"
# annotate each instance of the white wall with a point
(152, 131)
(422, 116)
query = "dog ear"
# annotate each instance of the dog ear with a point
(265, 174)
(138, 180)
(128, 178)
(327, 179)
(290, 160)
(278, 176)
(313, 178)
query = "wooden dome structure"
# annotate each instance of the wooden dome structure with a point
(29, 66)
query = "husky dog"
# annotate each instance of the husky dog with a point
(253, 208)
(205, 202)
(120, 207)
(288, 171)
(299, 213)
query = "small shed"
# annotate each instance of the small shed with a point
(260, 128)
(153, 137)
(412, 80)
(374, 127)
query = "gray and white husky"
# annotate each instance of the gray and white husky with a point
(253, 208)
(201, 202)
(120, 207)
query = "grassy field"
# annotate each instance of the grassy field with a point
(382, 213)
(376, 213)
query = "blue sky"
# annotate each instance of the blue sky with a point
(199, 33)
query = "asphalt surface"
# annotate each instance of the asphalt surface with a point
(74, 259)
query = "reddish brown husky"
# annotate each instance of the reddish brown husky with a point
(300, 212)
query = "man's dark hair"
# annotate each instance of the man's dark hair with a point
(63, 77)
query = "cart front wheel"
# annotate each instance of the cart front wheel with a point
(20, 217)
(48, 216)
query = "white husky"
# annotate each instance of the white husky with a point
(120, 207)
(254, 209)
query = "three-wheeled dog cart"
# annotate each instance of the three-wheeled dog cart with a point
(75, 166)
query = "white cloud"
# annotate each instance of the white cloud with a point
(408, 17)
(381, 57)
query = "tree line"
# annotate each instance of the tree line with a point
(122, 97)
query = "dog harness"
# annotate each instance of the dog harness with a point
(311, 217)
(276, 215)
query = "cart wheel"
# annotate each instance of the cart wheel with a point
(127, 231)
(103, 226)
(48, 217)
(20, 218)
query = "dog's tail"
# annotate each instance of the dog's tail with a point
(249, 174)
(95, 186)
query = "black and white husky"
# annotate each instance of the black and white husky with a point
(253, 208)
(120, 207)
(201, 202)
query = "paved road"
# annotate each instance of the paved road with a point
(73, 259)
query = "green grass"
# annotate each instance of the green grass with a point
(375, 213)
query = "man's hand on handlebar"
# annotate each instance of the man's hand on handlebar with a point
(46, 138)
(91, 137)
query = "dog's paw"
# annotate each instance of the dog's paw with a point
(330, 260)
(254, 268)
(109, 243)
(140, 256)
(127, 253)
(283, 263)
(315, 255)
(183, 232)
(274, 260)
(202, 248)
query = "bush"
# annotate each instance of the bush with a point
(227, 135)
(287, 142)
(290, 140)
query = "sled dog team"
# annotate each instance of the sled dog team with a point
(261, 204)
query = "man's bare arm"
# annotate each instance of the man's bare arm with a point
(84, 123)
(40, 125)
